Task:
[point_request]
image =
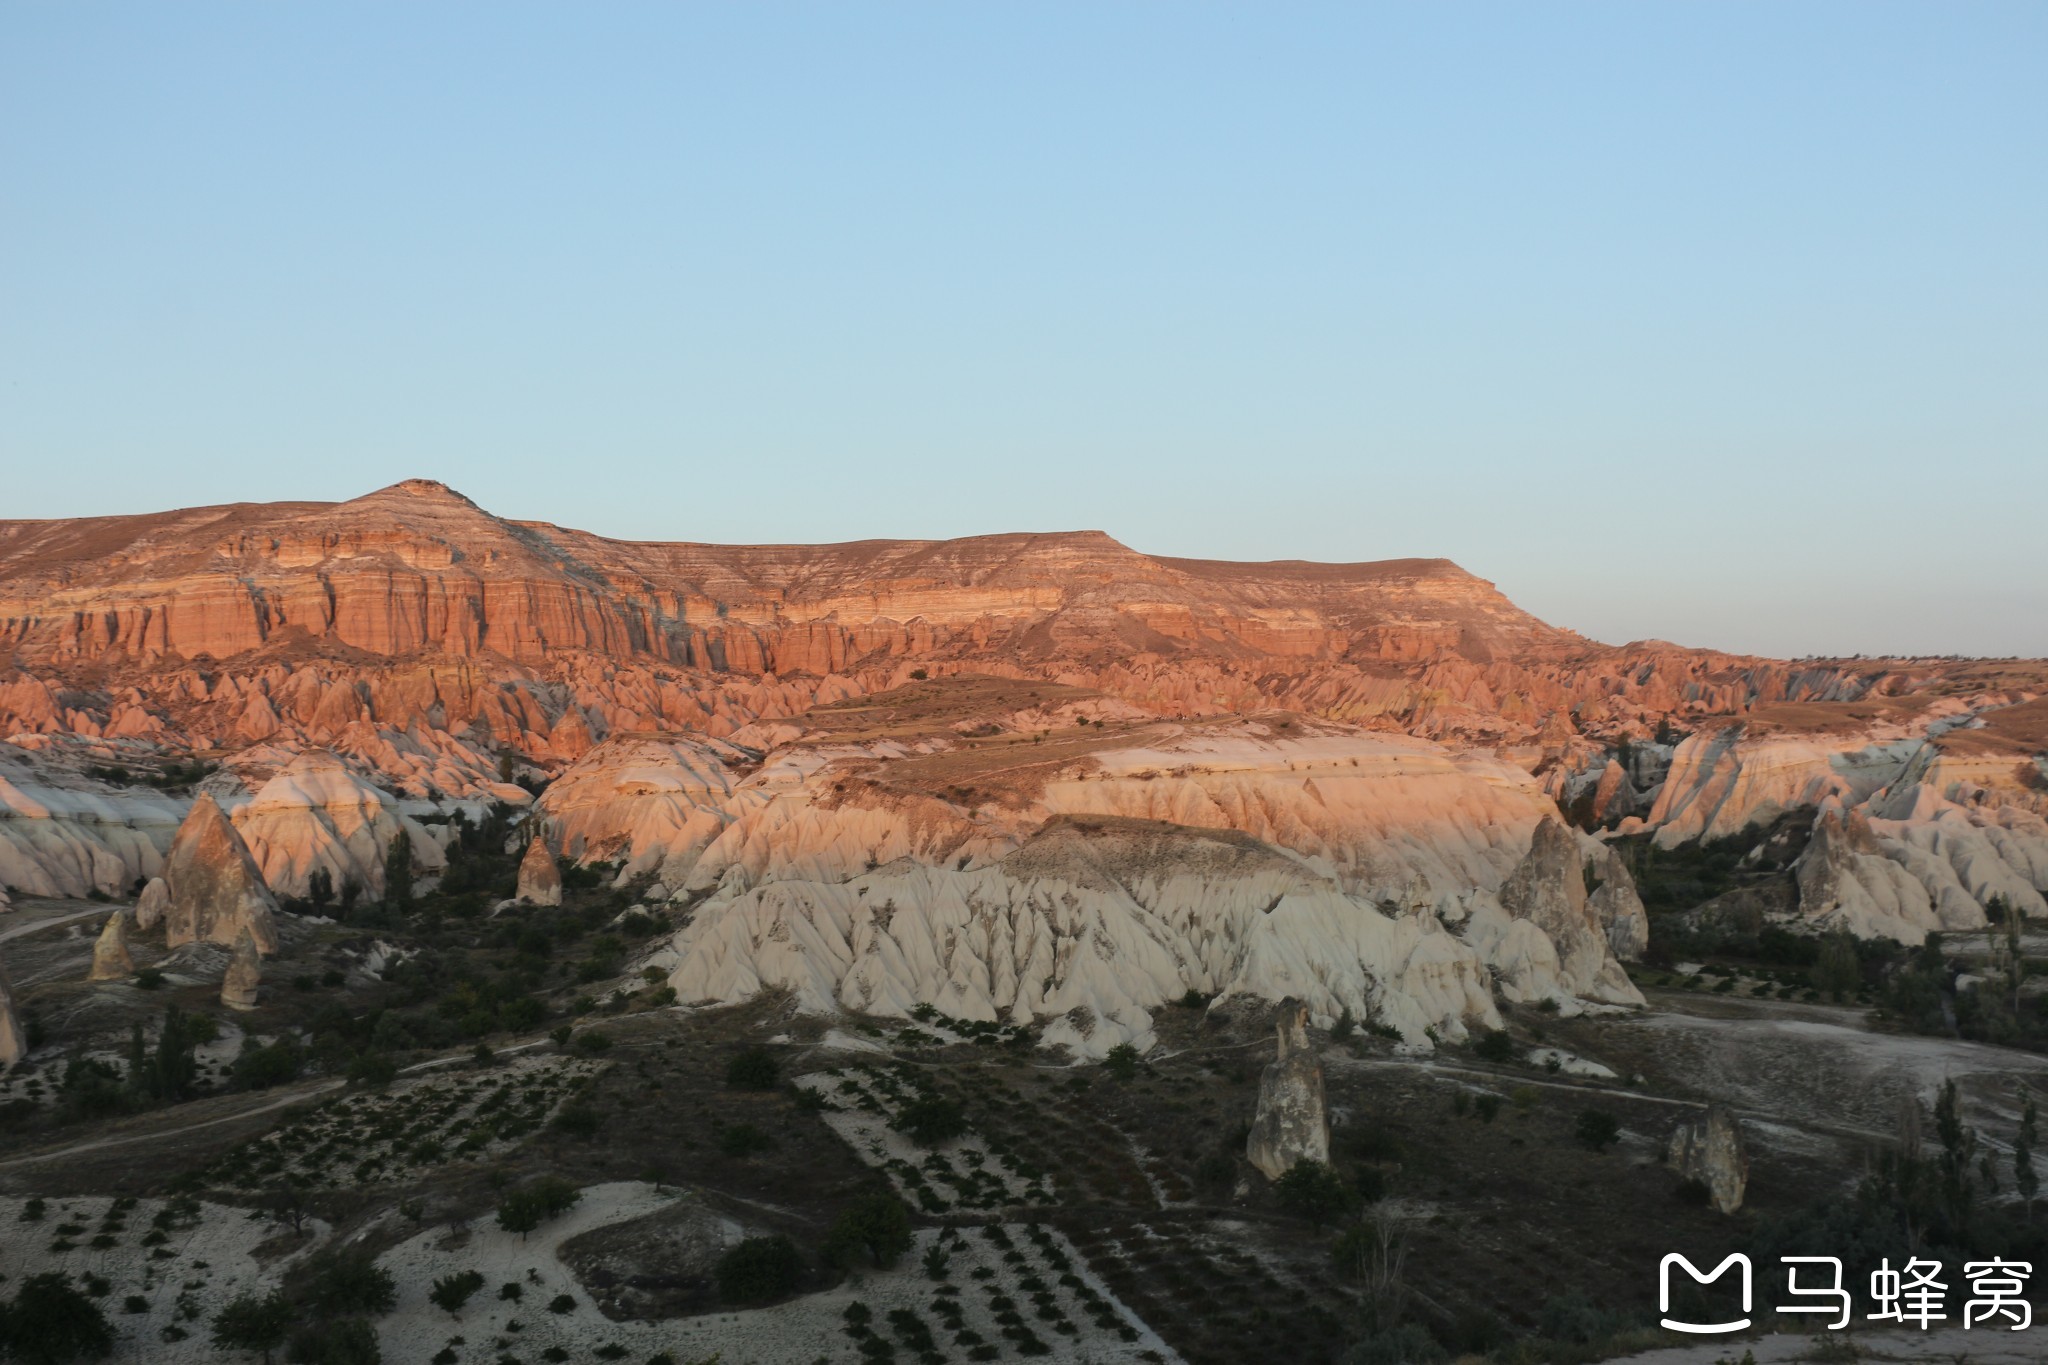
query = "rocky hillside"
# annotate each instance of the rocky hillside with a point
(768, 725)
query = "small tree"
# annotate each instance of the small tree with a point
(1598, 1129)
(398, 871)
(1494, 1045)
(527, 1207)
(875, 1225)
(52, 1322)
(452, 1291)
(758, 1270)
(1837, 972)
(2023, 1177)
(753, 1068)
(348, 1283)
(352, 1341)
(1311, 1190)
(929, 1120)
(320, 888)
(1122, 1062)
(250, 1323)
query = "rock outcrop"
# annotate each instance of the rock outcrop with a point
(13, 1041)
(110, 958)
(1290, 1125)
(152, 905)
(65, 833)
(1547, 890)
(540, 880)
(1710, 1150)
(216, 891)
(244, 979)
(317, 816)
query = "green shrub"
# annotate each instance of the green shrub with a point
(248, 1323)
(51, 1322)
(930, 1120)
(759, 1270)
(452, 1291)
(875, 1225)
(1311, 1190)
(1494, 1045)
(1597, 1129)
(753, 1068)
(348, 1282)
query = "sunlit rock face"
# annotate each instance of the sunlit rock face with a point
(1355, 872)
(738, 728)
(540, 879)
(216, 892)
(1923, 815)
(316, 816)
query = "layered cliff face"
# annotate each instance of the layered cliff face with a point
(1925, 810)
(1081, 876)
(710, 717)
(233, 625)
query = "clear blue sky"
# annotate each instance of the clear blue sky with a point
(1726, 323)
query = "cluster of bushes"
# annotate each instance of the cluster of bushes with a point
(322, 1317)
(874, 1230)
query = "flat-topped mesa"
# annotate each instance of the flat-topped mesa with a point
(418, 569)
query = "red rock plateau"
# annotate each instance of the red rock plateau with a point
(436, 648)
(219, 627)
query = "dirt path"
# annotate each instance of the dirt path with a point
(54, 921)
(164, 1134)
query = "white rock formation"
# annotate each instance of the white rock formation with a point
(1913, 834)
(316, 814)
(13, 1042)
(1710, 1150)
(110, 958)
(216, 891)
(152, 904)
(242, 984)
(1290, 1125)
(654, 803)
(63, 834)
(1086, 930)
(1228, 856)
(540, 880)
(1554, 944)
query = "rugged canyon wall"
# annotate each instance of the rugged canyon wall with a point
(1396, 739)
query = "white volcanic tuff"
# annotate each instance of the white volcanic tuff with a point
(1374, 811)
(1721, 782)
(655, 803)
(1390, 818)
(71, 836)
(1920, 840)
(1016, 942)
(316, 814)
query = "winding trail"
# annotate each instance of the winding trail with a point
(160, 1134)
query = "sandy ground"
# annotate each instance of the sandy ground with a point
(203, 1261)
(1942, 1346)
(793, 1333)
(989, 1181)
